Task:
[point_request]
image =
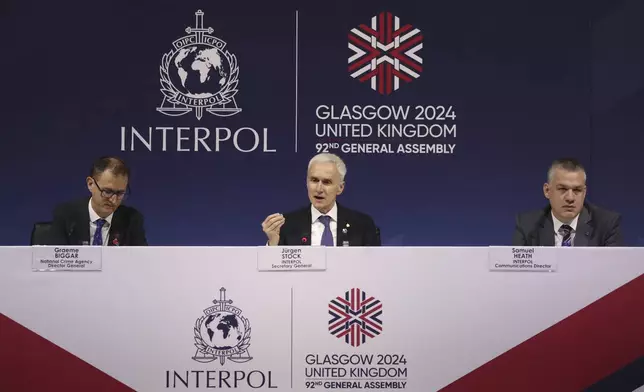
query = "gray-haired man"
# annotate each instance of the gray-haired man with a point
(324, 221)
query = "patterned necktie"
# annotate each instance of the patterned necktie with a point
(327, 237)
(98, 236)
(566, 232)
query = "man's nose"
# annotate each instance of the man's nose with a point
(318, 187)
(569, 196)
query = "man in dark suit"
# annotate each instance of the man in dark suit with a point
(569, 220)
(100, 219)
(324, 221)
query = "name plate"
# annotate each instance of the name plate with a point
(291, 258)
(522, 258)
(67, 258)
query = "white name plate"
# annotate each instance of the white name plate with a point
(291, 258)
(522, 258)
(67, 258)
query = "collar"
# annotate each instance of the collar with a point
(93, 216)
(557, 223)
(333, 213)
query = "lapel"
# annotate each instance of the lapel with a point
(116, 233)
(80, 232)
(584, 229)
(82, 223)
(546, 235)
(346, 231)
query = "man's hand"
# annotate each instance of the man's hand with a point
(271, 226)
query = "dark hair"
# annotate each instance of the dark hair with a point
(114, 164)
(568, 164)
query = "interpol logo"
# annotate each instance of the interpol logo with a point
(385, 53)
(222, 332)
(199, 74)
(355, 317)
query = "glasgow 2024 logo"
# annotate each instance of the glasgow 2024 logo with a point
(355, 317)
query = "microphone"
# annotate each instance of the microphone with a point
(72, 226)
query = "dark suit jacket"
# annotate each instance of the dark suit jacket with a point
(362, 230)
(71, 225)
(595, 227)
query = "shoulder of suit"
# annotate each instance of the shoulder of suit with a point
(72, 205)
(128, 211)
(355, 214)
(602, 214)
(531, 217)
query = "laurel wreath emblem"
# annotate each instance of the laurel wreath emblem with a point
(227, 93)
(202, 347)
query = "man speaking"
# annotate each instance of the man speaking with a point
(324, 222)
(100, 219)
(568, 220)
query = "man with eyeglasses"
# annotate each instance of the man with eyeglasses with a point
(100, 220)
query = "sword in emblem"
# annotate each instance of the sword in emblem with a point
(198, 29)
(222, 298)
(198, 32)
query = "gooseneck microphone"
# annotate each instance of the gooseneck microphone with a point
(70, 231)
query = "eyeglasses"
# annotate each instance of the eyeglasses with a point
(109, 193)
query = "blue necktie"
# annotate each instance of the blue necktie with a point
(327, 237)
(98, 236)
(566, 233)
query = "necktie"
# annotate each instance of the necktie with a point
(98, 236)
(566, 232)
(327, 237)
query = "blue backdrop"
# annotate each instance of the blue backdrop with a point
(527, 82)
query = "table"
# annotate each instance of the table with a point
(390, 318)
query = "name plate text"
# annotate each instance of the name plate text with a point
(522, 258)
(67, 258)
(291, 258)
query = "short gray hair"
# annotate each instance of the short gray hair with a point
(326, 157)
(568, 164)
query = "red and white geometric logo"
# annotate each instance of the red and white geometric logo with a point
(385, 53)
(355, 317)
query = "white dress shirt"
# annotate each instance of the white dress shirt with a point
(93, 217)
(317, 227)
(557, 224)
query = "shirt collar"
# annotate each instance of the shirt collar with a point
(333, 213)
(93, 216)
(557, 223)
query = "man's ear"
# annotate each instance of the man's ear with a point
(341, 188)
